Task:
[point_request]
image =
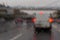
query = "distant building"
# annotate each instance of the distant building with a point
(5, 10)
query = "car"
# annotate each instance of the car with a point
(19, 20)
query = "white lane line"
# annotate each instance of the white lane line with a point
(14, 38)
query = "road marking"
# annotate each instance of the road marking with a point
(14, 38)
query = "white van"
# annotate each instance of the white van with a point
(42, 22)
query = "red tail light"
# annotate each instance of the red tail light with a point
(34, 20)
(51, 20)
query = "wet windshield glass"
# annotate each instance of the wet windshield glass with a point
(29, 19)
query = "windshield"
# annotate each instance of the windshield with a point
(29, 19)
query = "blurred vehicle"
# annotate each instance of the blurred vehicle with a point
(40, 27)
(44, 25)
(18, 20)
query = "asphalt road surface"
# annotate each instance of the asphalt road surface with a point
(56, 31)
(26, 32)
(21, 32)
(44, 36)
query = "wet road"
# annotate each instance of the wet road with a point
(44, 36)
(56, 31)
(20, 32)
(26, 32)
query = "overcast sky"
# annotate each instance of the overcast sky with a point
(30, 2)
